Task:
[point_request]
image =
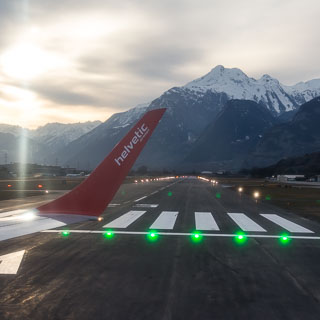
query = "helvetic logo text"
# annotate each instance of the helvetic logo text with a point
(139, 134)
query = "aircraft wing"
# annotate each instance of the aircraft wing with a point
(88, 200)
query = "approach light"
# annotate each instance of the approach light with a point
(240, 189)
(256, 194)
(135, 181)
(47, 191)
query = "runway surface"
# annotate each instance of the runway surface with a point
(176, 249)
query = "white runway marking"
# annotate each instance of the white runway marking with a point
(10, 263)
(205, 221)
(218, 235)
(140, 199)
(166, 220)
(125, 220)
(286, 224)
(113, 204)
(146, 205)
(245, 223)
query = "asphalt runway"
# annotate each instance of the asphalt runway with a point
(88, 274)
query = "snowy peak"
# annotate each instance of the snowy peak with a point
(219, 76)
(266, 90)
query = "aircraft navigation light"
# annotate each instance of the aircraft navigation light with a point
(27, 216)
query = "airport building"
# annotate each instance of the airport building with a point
(290, 177)
(36, 170)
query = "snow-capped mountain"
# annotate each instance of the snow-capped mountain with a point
(57, 135)
(190, 109)
(277, 97)
(43, 142)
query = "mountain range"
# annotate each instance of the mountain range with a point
(223, 120)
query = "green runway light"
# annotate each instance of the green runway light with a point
(268, 197)
(196, 236)
(240, 238)
(284, 239)
(152, 236)
(108, 234)
(65, 233)
(169, 193)
(218, 195)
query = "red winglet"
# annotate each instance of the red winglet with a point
(93, 195)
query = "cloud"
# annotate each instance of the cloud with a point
(117, 54)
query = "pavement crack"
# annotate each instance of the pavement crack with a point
(303, 289)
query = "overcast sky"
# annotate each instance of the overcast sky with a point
(73, 60)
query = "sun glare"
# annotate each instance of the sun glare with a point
(26, 61)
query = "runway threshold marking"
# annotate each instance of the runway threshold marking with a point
(166, 220)
(245, 223)
(10, 263)
(205, 221)
(217, 235)
(286, 224)
(125, 220)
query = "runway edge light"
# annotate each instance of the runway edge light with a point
(196, 236)
(284, 239)
(240, 238)
(65, 233)
(108, 234)
(152, 235)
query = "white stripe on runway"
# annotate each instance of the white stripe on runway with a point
(166, 220)
(146, 205)
(230, 235)
(125, 220)
(245, 223)
(286, 224)
(205, 221)
(140, 199)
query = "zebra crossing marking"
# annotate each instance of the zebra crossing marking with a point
(125, 220)
(166, 220)
(245, 223)
(286, 224)
(205, 221)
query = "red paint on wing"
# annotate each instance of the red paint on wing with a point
(93, 195)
